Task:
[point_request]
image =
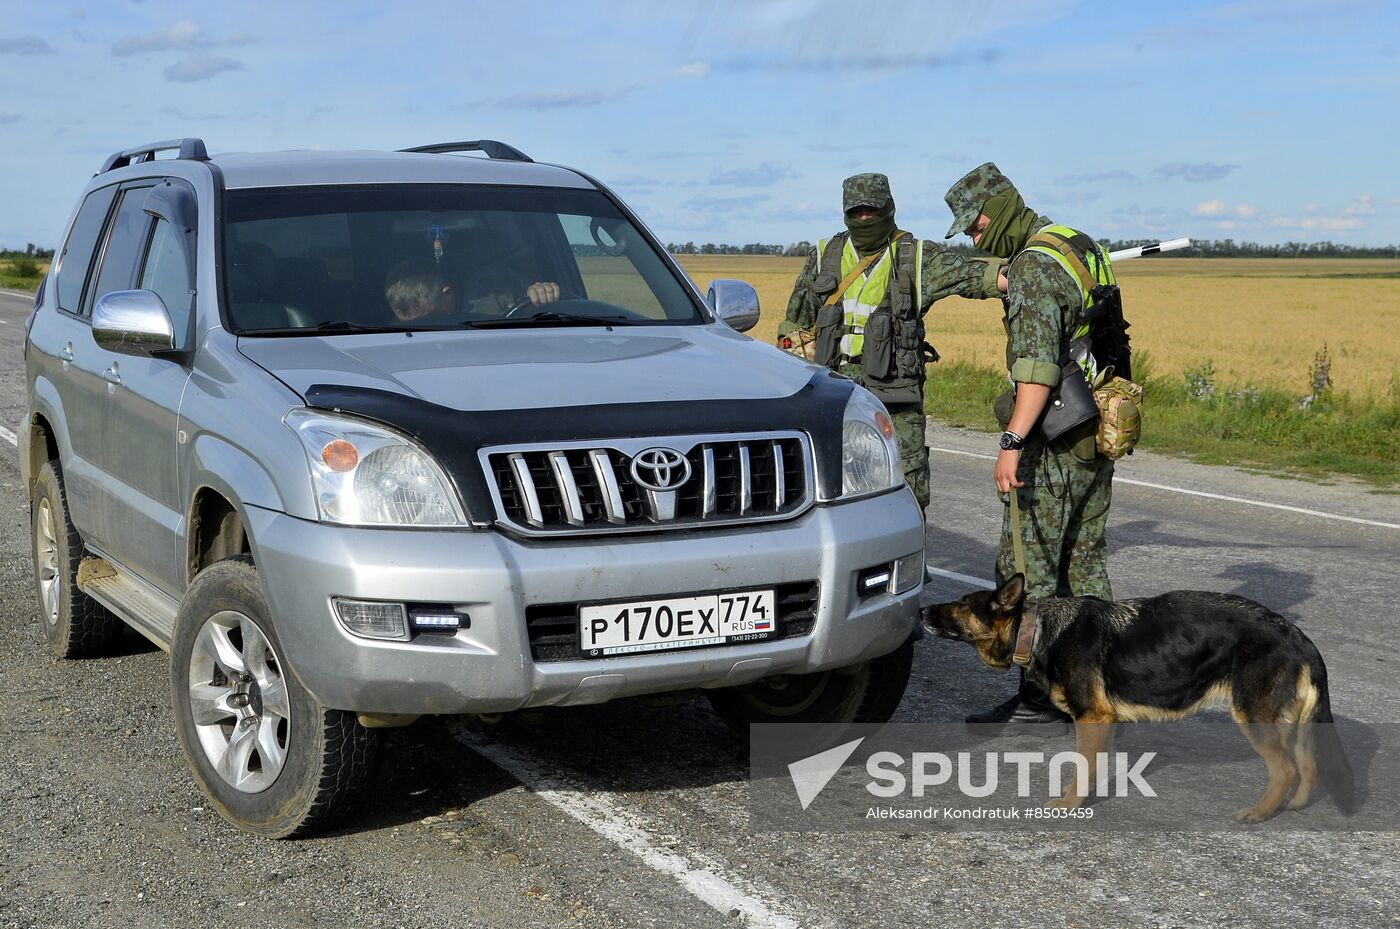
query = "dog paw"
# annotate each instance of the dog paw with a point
(1251, 815)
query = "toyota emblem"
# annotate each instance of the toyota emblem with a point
(660, 469)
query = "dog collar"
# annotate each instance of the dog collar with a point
(1027, 632)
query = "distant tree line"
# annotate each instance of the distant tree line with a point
(30, 251)
(1201, 248)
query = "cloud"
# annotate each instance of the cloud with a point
(763, 175)
(183, 36)
(8, 118)
(562, 99)
(724, 204)
(1245, 211)
(635, 181)
(200, 68)
(1361, 205)
(26, 45)
(695, 69)
(1061, 197)
(1209, 208)
(1100, 177)
(871, 62)
(1205, 171)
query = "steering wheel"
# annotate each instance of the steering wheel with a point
(564, 294)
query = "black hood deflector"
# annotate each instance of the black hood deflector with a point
(455, 437)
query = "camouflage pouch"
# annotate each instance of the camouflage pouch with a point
(1120, 417)
(799, 342)
(1002, 407)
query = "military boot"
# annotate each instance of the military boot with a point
(1029, 710)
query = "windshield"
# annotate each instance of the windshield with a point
(302, 260)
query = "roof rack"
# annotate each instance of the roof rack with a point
(492, 148)
(191, 149)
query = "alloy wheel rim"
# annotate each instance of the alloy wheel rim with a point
(46, 555)
(239, 702)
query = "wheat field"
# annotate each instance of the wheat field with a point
(1258, 321)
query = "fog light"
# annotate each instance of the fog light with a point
(908, 573)
(873, 580)
(372, 619)
(441, 621)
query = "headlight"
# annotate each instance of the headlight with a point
(368, 475)
(869, 455)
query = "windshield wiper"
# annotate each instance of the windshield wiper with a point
(551, 318)
(331, 327)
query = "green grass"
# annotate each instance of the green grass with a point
(18, 282)
(1261, 429)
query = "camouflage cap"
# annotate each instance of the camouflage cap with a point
(976, 187)
(871, 190)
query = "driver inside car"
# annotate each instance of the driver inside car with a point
(418, 289)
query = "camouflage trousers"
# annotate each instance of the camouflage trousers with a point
(1064, 514)
(909, 435)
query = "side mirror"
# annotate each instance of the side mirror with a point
(734, 302)
(132, 322)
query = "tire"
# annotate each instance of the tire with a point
(75, 625)
(865, 693)
(270, 758)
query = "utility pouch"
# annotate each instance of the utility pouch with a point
(799, 342)
(828, 334)
(1120, 417)
(877, 355)
(823, 285)
(1071, 403)
(1002, 407)
(895, 391)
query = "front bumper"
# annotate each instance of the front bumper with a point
(488, 668)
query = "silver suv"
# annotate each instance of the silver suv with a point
(363, 436)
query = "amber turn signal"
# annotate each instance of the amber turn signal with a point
(340, 455)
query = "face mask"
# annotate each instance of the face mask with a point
(873, 234)
(1011, 223)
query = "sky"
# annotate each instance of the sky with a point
(735, 120)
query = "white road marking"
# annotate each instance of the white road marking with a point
(964, 578)
(703, 880)
(1201, 493)
(9, 436)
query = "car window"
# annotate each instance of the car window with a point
(125, 238)
(76, 258)
(413, 256)
(166, 275)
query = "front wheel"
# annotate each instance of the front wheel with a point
(270, 758)
(868, 692)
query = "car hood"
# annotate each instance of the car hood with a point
(516, 369)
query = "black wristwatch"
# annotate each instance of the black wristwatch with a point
(1011, 442)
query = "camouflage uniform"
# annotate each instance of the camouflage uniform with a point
(1068, 487)
(943, 272)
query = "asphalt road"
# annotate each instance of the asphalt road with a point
(636, 815)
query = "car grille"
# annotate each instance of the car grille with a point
(553, 627)
(590, 487)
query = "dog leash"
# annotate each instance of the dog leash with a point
(1028, 627)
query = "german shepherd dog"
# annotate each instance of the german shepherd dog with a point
(1163, 658)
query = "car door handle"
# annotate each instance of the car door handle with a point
(111, 376)
(66, 354)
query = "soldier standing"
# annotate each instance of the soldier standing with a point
(1063, 486)
(862, 296)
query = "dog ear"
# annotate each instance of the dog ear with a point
(1008, 596)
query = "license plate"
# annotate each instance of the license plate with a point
(676, 622)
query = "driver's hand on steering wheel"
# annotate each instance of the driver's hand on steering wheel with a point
(542, 292)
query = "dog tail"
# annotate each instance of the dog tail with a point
(1332, 766)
